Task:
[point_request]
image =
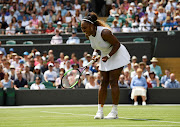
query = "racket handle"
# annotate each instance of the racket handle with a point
(90, 63)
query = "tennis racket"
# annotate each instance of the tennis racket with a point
(71, 77)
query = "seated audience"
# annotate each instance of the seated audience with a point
(20, 81)
(165, 77)
(50, 75)
(138, 86)
(27, 74)
(6, 82)
(37, 85)
(91, 84)
(57, 39)
(122, 83)
(153, 80)
(155, 68)
(172, 82)
(73, 39)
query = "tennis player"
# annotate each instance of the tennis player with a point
(113, 57)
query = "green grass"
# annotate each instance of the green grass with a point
(130, 116)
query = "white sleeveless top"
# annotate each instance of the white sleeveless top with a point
(117, 60)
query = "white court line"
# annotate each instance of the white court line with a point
(130, 126)
(47, 106)
(119, 117)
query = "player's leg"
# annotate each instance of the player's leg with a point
(102, 94)
(113, 79)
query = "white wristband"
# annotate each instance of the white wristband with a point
(95, 54)
(108, 56)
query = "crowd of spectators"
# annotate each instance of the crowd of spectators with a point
(18, 70)
(150, 15)
(41, 16)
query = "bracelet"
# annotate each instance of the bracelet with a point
(108, 56)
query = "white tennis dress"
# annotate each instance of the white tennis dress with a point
(117, 60)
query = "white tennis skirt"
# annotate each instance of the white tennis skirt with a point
(117, 60)
(138, 91)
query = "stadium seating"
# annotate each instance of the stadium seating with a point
(49, 85)
(87, 41)
(1, 97)
(10, 96)
(10, 42)
(138, 40)
(28, 43)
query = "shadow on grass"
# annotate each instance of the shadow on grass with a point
(134, 119)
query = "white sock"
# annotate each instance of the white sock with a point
(100, 108)
(114, 107)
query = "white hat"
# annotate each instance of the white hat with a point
(1, 52)
(37, 53)
(26, 65)
(37, 67)
(154, 59)
(12, 66)
(144, 57)
(59, 23)
(151, 1)
(87, 73)
(134, 24)
(131, 8)
(177, 17)
(51, 64)
(132, 4)
(134, 57)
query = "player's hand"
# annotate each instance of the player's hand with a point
(105, 58)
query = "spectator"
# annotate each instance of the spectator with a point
(165, 77)
(37, 85)
(138, 86)
(51, 18)
(126, 27)
(40, 27)
(145, 25)
(153, 80)
(77, 6)
(27, 74)
(73, 39)
(10, 30)
(134, 60)
(16, 62)
(129, 68)
(6, 68)
(172, 82)
(83, 11)
(50, 75)
(59, 17)
(68, 5)
(34, 20)
(3, 50)
(121, 82)
(63, 10)
(14, 22)
(59, 27)
(31, 63)
(21, 65)
(44, 56)
(12, 74)
(37, 73)
(4, 23)
(58, 80)
(68, 17)
(41, 17)
(50, 29)
(58, 7)
(6, 82)
(167, 25)
(115, 26)
(135, 67)
(9, 18)
(142, 65)
(113, 10)
(130, 15)
(20, 17)
(25, 22)
(20, 81)
(139, 12)
(88, 59)
(66, 66)
(56, 68)
(91, 84)
(145, 60)
(127, 76)
(30, 29)
(170, 5)
(21, 6)
(155, 68)
(20, 29)
(69, 28)
(30, 8)
(50, 7)
(57, 39)
(134, 27)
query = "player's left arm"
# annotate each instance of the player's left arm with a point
(110, 38)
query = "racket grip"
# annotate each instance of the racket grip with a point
(90, 63)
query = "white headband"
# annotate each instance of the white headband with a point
(87, 20)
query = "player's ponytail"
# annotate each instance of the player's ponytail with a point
(93, 19)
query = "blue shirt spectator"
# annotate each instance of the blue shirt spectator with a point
(167, 26)
(172, 82)
(155, 68)
(138, 82)
(165, 77)
(73, 39)
(3, 50)
(63, 10)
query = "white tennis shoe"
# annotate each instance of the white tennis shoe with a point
(112, 115)
(143, 103)
(135, 103)
(99, 115)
